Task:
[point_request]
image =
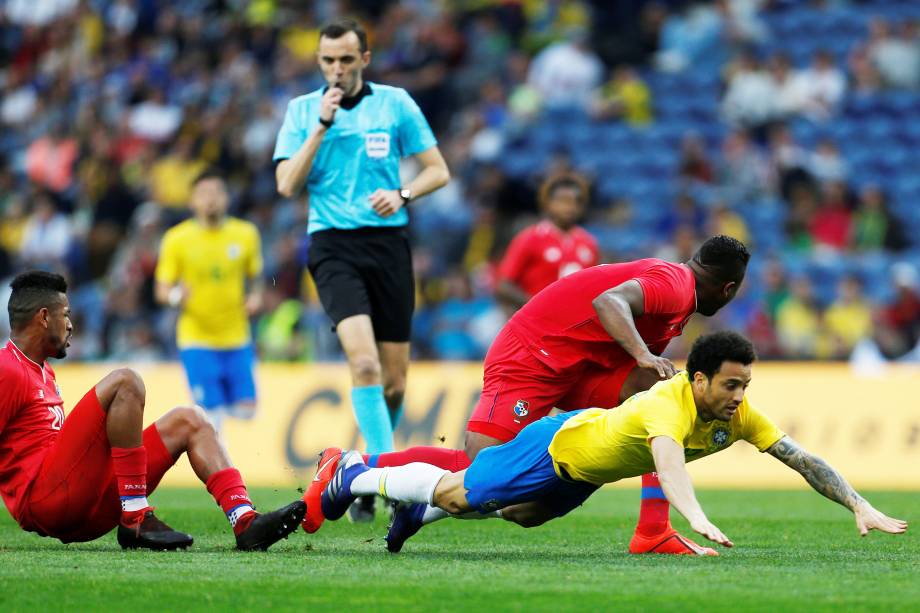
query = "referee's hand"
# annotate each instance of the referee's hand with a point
(386, 201)
(330, 103)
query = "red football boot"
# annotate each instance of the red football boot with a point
(668, 541)
(325, 468)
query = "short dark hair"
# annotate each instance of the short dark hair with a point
(564, 179)
(32, 291)
(724, 257)
(211, 172)
(341, 27)
(710, 350)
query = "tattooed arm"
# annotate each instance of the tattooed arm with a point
(829, 483)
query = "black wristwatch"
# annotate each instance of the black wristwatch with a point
(405, 194)
(327, 122)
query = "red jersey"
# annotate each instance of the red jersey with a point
(31, 416)
(542, 254)
(561, 329)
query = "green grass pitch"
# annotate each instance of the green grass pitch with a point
(793, 551)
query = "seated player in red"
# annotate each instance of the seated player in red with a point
(75, 479)
(551, 248)
(591, 339)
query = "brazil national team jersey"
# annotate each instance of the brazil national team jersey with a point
(358, 155)
(213, 264)
(605, 445)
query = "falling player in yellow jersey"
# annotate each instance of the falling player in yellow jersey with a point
(209, 269)
(554, 464)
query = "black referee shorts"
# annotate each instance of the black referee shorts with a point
(367, 271)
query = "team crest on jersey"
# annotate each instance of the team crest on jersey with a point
(720, 437)
(521, 408)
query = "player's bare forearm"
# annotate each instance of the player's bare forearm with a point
(291, 173)
(434, 174)
(819, 474)
(674, 479)
(615, 312)
(511, 294)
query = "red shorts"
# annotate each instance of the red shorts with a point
(518, 389)
(74, 496)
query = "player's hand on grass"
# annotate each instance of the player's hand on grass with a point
(330, 103)
(710, 531)
(664, 366)
(870, 518)
(386, 201)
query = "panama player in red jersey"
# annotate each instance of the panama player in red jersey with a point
(550, 249)
(591, 339)
(75, 479)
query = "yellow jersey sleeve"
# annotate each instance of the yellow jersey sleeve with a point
(759, 430)
(167, 270)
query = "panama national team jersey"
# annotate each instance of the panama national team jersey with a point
(31, 417)
(602, 446)
(358, 155)
(542, 253)
(213, 264)
(561, 329)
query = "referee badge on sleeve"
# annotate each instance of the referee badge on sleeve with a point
(377, 144)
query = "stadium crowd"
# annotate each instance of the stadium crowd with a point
(789, 130)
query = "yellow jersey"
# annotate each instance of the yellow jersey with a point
(213, 264)
(605, 445)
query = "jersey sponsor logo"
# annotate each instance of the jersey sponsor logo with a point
(377, 144)
(320, 470)
(521, 408)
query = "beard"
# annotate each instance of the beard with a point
(61, 353)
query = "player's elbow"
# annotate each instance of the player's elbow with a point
(286, 190)
(444, 177)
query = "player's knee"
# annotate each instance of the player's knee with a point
(452, 505)
(128, 382)
(525, 518)
(394, 392)
(365, 369)
(191, 420)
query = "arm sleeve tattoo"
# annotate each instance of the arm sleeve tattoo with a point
(819, 474)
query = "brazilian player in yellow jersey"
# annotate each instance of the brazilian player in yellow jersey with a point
(555, 463)
(209, 268)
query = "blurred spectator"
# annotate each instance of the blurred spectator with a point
(874, 227)
(776, 289)
(46, 237)
(624, 97)
(694, 164)
(896, 55)
(832, 224)
(687, 38)
(822, 85)
(826, 163)
(799, 326)
(750, 99)
(744, 173)
(171, 176)
(723, 220)
(789, 162)
(898, 322)
(566, 73)
(848, 318)
(50, 160)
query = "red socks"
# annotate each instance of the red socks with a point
(453, 460)
(130, 468)
(654, 510)
(226, 486)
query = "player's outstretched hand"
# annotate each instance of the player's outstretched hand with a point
(386, 201)
(709, 530)
(664, 366)
(870, 518)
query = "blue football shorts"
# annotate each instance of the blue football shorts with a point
(522, 470)
(220, 378)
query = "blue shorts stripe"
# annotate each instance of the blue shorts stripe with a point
(653, 492)
(132, 497)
